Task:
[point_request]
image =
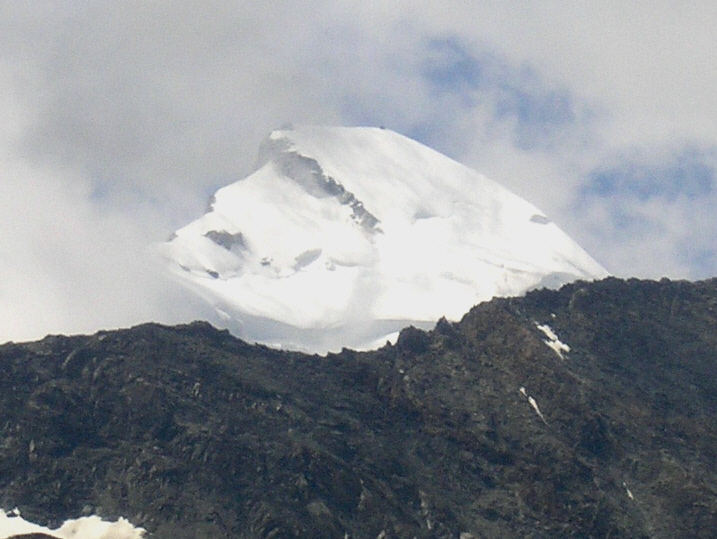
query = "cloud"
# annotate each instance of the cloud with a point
(661, 207)
(517, 96)
(686, 175)
(156, 100)
(71, 265)
(120, 119)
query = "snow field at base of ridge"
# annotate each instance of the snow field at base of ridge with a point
(92, 527)
(341, 227)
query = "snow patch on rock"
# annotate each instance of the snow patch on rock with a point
(92, 527)
(533, 403)
(552, 340)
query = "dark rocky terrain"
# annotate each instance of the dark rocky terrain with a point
(190, 432)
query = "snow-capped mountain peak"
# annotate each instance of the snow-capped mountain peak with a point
(344, 235)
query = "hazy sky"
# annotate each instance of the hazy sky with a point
(119, 119)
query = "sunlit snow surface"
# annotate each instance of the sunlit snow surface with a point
(344, 235)
(92, 527)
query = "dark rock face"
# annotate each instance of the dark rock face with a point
(190, 432)
(231, 242)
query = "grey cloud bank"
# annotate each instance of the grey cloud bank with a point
(120, 119)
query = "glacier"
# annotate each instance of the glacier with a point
(344, 235)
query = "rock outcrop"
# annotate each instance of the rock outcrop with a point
(482, 428)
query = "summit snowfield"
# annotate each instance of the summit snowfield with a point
(345, 235)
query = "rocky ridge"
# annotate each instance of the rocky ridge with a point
(583, 412)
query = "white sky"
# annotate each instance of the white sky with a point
(119, 119)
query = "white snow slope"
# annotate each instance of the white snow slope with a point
(344, 235)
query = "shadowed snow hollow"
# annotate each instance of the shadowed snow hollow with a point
(344, 235)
